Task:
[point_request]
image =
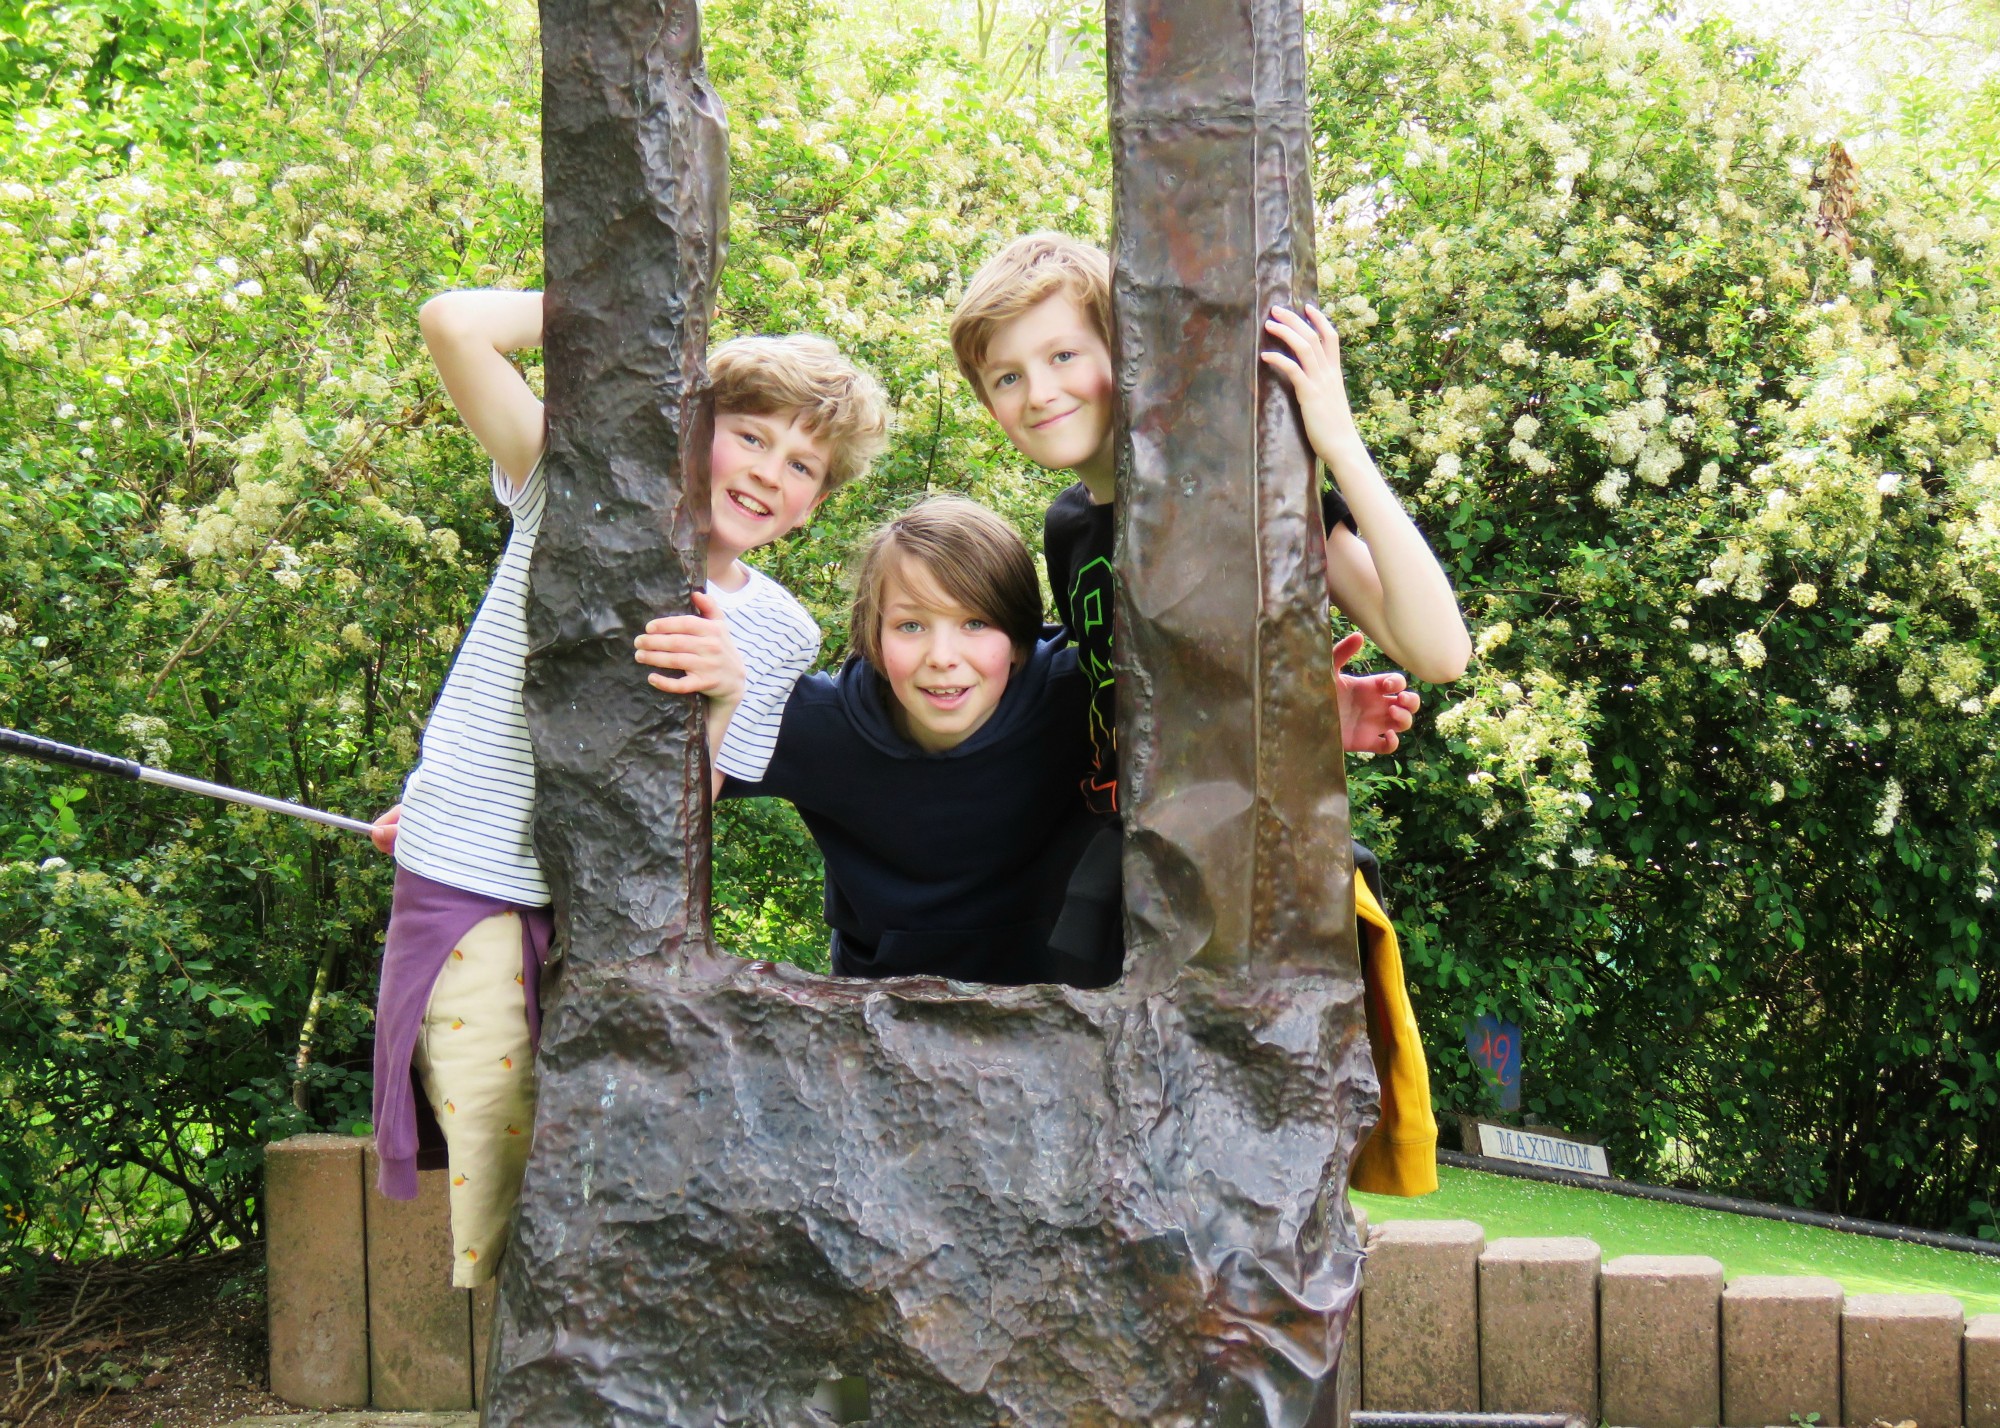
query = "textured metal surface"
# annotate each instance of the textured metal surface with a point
(1238, 860)
(635, 177)
(1235, 794)
(760, 1197)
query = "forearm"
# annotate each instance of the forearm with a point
(469, 335)
(1392, 586)
(717, 713)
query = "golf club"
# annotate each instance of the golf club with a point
(13, 741)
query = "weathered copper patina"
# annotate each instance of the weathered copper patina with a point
(760, 1197)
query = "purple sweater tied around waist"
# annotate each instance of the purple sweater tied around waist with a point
(426, 920)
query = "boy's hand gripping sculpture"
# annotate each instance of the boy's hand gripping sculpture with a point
(968, 1205)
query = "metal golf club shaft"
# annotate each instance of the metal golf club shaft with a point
(13, 741)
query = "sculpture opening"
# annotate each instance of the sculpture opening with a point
(758, 1196)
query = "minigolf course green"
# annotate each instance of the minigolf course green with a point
(1506, 1206)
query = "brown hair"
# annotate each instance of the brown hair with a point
(1026, 272)
(975, 557)
(842, 404)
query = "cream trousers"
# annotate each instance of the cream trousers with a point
(478, 1073)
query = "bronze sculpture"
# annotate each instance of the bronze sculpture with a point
(762, 1197)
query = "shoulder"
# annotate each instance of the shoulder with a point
(522, 494)
(1053, 669)
(1071, 510)
(814, 703)
(771, 609)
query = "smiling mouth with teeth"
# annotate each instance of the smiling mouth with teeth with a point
(749, 505)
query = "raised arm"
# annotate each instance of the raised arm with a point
(469, 335)
(1386, 581)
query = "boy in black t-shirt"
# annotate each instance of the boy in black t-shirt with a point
(1033, 337)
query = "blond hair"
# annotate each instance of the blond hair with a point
(840, 403)
(975, 557)
(1028, 271)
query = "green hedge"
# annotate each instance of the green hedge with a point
(1711, 815)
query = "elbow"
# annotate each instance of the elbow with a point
(441, 319)
(1444, 666)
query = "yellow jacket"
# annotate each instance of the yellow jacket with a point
(1400, 1157)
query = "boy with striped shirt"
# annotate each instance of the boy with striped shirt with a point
(470, 922)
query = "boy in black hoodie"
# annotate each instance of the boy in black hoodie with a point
(938, 770)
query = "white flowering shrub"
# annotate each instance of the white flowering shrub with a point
(242, 530)
(1712, 816)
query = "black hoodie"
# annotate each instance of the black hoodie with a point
(951, 864)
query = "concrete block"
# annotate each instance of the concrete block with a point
(1982, 1372)
(315, 1233)
(1538, 1326)
(1780, 1349)
(1900, 1359)
(1659, 1337)
(1350, 1349)
(420, 1328)
(1420, 1330)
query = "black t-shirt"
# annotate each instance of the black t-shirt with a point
(1077, 544)
(951, 864)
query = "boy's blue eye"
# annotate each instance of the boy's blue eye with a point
(1064, 356)
(1006, 379)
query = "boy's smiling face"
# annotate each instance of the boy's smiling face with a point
(946, 665)
(765, 475)
(1047, 379)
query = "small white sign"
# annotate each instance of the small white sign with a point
(1507, 1143)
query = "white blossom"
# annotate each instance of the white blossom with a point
(1888, 808)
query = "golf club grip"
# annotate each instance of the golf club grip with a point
(13, 741)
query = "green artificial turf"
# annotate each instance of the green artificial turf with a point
(1508, 1206)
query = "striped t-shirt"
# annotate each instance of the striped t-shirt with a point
(468, 809)
(778, 641)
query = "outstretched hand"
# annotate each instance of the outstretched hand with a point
(699, 651)
(1375, 709)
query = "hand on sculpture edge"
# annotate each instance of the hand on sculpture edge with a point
(700, 648)
(1386, 580)
(1375, 709)
(383, 834)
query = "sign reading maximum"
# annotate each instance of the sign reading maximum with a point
(1532, 1148)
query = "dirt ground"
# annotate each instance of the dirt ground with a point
(179, 1344)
